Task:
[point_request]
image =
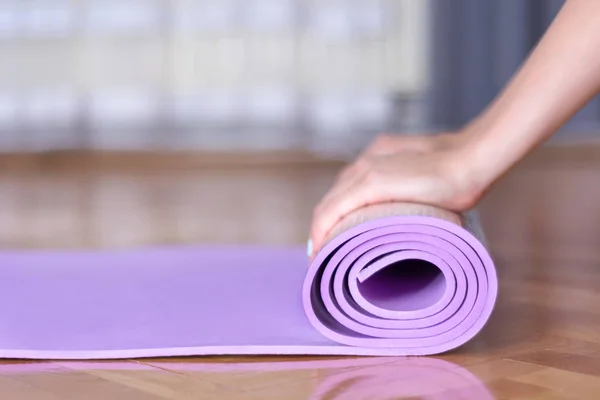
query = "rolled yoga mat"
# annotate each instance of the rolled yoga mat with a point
(392, 280)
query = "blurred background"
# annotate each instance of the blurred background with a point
(321, 76)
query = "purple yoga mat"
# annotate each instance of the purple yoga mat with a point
(393, 280)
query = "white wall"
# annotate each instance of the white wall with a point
(202, 68)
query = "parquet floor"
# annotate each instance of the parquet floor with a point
(542, 222)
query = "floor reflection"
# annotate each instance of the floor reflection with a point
(325, 379)
(424, 378)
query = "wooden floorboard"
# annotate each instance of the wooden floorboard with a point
(542, 223)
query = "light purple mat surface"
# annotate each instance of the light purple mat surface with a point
(394, 285)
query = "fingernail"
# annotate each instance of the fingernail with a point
(309, 248)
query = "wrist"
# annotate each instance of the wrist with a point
(489, 147)
(477, 159)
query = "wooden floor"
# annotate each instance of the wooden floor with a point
(542, 221)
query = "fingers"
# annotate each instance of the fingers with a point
(357, 185)
(347, 172)
(385, 145)
(351, 191)
(379, 146)
(343, 199)
(320, 227)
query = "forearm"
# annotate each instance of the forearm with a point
(561, 75)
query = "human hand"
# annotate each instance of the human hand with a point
(453, 171)
(416, 169)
